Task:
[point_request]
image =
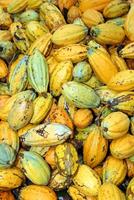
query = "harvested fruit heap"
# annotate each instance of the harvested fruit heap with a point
(66, 99)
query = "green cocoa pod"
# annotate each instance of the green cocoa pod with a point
(82, 96)
(82, 72)
(47, 134)
(35, 167)
(7, 156)
(7, 50)
(119, 21)
(38, 74)
(61, 75)
(28, 15)
(66, 159)
(39, 149)
(4, 89)
(18, 77)
(20, 114)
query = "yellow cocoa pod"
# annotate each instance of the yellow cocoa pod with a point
(74, 52)
(114, 170)
(52, 63)
(115, 125)
(83, 118)
(93, 82)
(132, 125)
(122, 81)
(110, 191)
(129, 23)
(41, 106)
(11, 178)
(87, 181)
(92, 17)
(116, 8)
(16, 6)
(107, 33)
(4, 4)
(127, 51)
(3, 100)
(69, 34)
(96, 156)
(130, 190)
(34, 4)
(123, 147)
(23, 130)
(34, 191)
(5, 20)
(43, 44)
(61, 74)
(5, 35)
(51, 15)
(7, 195)
(50, 157)
(130, 168)
(66, 4)
(73, 13)
(35, 29)
(100, 62)
(66, 159)
(3, 69)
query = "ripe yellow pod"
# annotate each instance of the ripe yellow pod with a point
(4, 4)
(74, 52)
(92, 17)
(130, 190)
(73, 13)
(107, 33)
(123, 147)
(23, 130)
(16, 6)
(52, 63)
(115, 125)
(34, 4)
(3, 69)
(95, 4)
(109, 191)
(94, 154)
(87, 181)
(50, 157)
(114, 170)
(129, 24)
(5, 35)
(100, 62)
(122, 81)
(116, 8)
(51, 15)
(69, 34)
(11, 178)
(62, 74)
(66, 4)
(132, 125)
(130, 168)
(35, 191)
(127, 51)
(3, 100)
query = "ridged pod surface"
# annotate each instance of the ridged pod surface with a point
(34, 191)
(7, 195)
(38, 75)
(114, 170)
(130, 190)
(123, 147)
(5, 35)
(116, 8)
(129, 23)
(41, 106)
(33, 162)
(3, 69)
(66, 159)
(100, 62)
(11, 178)
(73, 52)
(34, 4)
(69, 34)
(122, 81)
(61, 74)
(87, 181)
(52, 16)
(95, 148)
(46, 134)
(16, 6)
(105, 33)
(18, 75)
(127, 51)
(110, 191)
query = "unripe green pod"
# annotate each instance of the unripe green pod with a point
(28, 15)
(7, 50)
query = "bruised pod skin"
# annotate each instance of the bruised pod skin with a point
(109, 191)
(122, 81)
(74, 52)
(95, 148)
(11, 178)
(116, 8)
(69, 34)
(66, 159)
(114, 170)
(47, 134)
(20, 114)
(38, 72)
(35, 191)
(129, 23)
(61, 74)
(87, 181)
(100, 62)
(123, 147)
(33, 162)
(18, 76)
(52, 16)
(80, 95)
(105, 33)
